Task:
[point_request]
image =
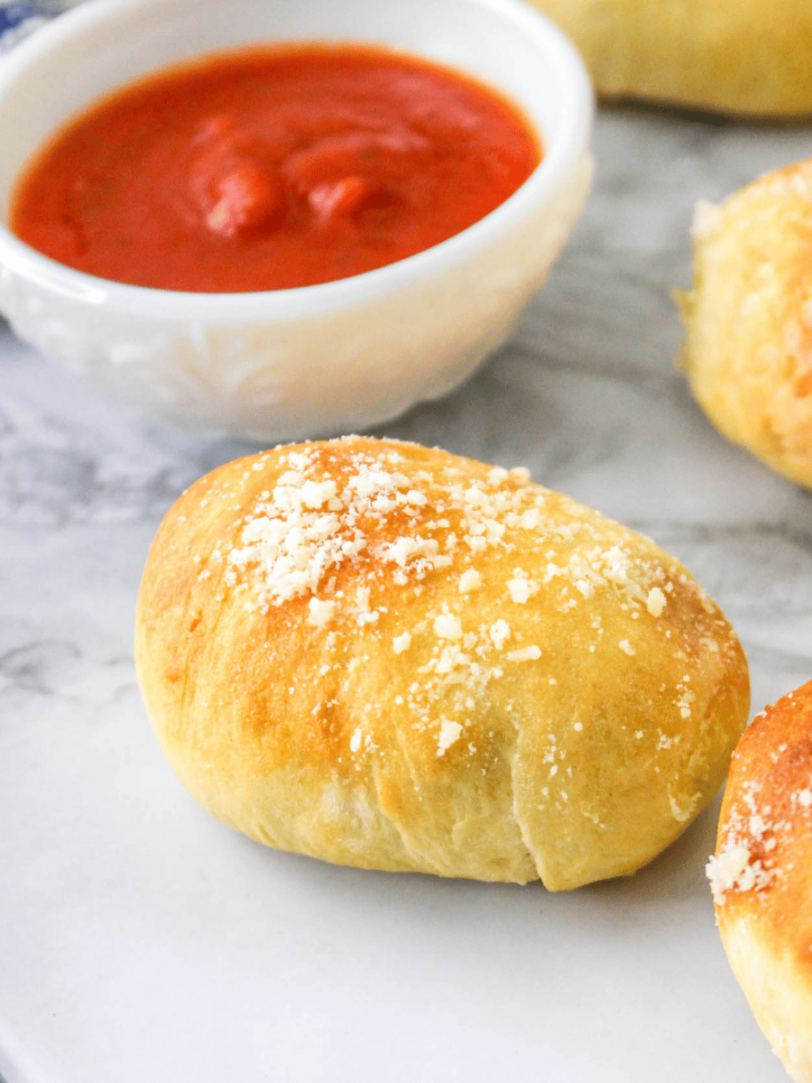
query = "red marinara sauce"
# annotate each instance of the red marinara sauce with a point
(272, 168)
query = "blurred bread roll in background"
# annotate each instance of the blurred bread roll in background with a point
(745, 57)
(390, 657)
(761, 875)
(748, 318)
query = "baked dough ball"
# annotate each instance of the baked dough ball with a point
(746, 57)
(390, 657)
(761, 875)
(748, 318)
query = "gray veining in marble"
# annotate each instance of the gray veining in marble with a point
(588, 396)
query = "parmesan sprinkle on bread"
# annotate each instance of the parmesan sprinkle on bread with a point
(761, 875)
(390, 657)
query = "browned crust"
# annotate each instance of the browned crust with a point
(762, 874)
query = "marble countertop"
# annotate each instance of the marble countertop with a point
(141, 940)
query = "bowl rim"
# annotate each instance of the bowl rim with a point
(570, 143)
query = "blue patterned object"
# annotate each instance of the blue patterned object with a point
(17, 21)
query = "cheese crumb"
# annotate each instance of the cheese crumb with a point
(470, 580)
(735, 866)
(626, 647)
(447, 626)
(585, 586)
(402, 550)
(520, 473)
(655, 602)
(315, 494)
(524, 654)
(499, 632)
(449, 659)
(522, 589)
(449, 733)
(732, 870)
(402, 643)
(319, 612)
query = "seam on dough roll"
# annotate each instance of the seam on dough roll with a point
(526, 835)
(388, 656)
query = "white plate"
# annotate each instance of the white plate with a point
(141, 940)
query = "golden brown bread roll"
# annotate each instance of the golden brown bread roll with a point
(761, 875)
(748, 319)
(746, 57)
(387, 656)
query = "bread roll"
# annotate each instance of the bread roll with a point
(747, 57)
(761, 875)
(748, 318)
(390, 657)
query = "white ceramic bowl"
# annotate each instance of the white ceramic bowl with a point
(317, 360)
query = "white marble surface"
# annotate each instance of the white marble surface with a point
(141, 940)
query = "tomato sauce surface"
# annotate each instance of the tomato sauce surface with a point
(271, 169)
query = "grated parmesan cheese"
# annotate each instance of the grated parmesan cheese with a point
(499, 633)
(449, 733)
(655, 602)
(524, 654)
(737, 866)
(320, 612)
(447, 626)
(470, 580)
